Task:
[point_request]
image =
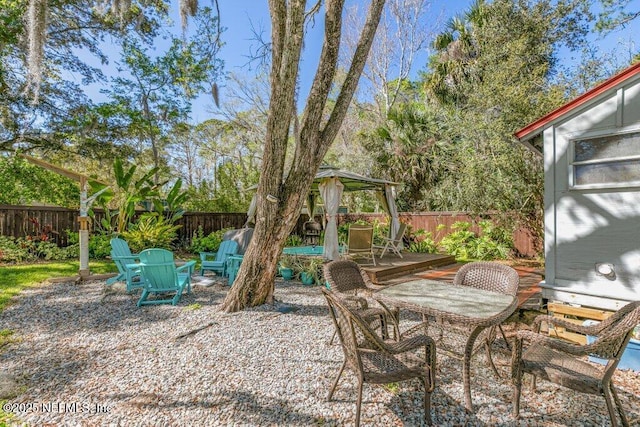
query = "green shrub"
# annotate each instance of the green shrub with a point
(422, 242)
(457, 242)
(15, 250)
(202, 243)
(51, 251)
(100, 245)
(493, 243)
(23, 250)
(150, 231)
(293, 240)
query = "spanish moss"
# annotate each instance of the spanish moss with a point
(187, 8)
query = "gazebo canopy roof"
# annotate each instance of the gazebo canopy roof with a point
(351, 180)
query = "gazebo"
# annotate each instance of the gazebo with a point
(329, 184)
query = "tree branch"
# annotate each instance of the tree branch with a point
(355, 70)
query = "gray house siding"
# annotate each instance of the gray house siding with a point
(591, 224)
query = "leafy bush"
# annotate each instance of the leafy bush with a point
(21, 250)
(293, 240)
(422, 242)
(14, 250)
(457, 242)
(202, 243)
(493, 243)
(100, 245)
(151, 231)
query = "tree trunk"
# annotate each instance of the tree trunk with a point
(280, 198)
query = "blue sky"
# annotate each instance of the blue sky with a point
(242, 17)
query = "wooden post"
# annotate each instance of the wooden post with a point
(84, 247)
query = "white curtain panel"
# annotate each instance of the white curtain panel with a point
(393, 210)
(331, 192)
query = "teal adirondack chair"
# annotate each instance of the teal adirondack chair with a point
(162, 276)
(126, 263)
(219, 264)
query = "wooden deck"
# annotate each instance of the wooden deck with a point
(391, 269)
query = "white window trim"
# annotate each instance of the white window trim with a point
(573, 137)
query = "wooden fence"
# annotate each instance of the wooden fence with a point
(53, 222)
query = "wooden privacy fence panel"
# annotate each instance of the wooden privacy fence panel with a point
(23, 221)
(523, 240)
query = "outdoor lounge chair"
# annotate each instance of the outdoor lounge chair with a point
(162, 276)
(124, 260)
(219, 263)
(380, 362)
(360, 242)
(346, 278)
(563, 363)
(394, 245)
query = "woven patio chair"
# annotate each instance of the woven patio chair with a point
(562, 362)
(348, 279)
(375, 361)
(360, 242)
(453, 338)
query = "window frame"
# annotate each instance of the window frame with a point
(597, 135)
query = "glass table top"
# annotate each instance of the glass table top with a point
(430, 296)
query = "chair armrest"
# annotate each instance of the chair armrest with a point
(188, 265)
(132, 258)
(556, 321)
(204, 255)
(362, 302)
(555, 344)
(409, 344)
(135, 266)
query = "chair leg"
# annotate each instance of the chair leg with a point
(335, 382)
(427, 402)
(623, 416)
(487, 348)
(610, 406)
(359, 404)
(516, 400)
(333, 337)
(384, 249)
(143, 297)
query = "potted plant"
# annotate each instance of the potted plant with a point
(309, 268)
(286, 267)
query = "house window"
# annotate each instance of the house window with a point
(609, 161)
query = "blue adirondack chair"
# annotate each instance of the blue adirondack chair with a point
(219, 263)
(162, 276)
(126, 263)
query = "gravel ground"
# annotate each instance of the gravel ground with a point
(86, 355)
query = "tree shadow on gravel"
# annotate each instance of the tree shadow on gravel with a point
(240, 408)
(97, 308)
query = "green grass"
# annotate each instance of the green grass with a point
(15, 278)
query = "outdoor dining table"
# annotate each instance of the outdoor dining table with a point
(477, 308)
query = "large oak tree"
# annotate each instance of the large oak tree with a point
(313, 134)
